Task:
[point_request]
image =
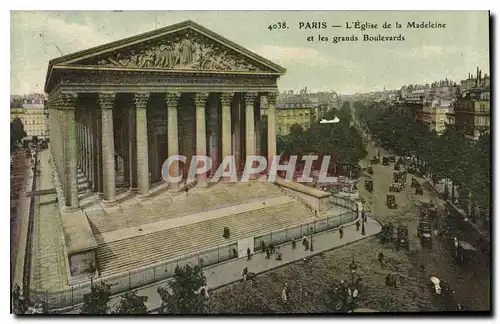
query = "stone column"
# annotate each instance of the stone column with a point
(80, 139)
(201, 138)
(172, 100)
(226, 99)
(106, 102)
(90, 156)
(213, 140)
(96, 144)
(125, 149)
(250, 124)
(237, 134)
(100, 155)
(271, 127)
(141, 104)
(257, 126)
(68, 105)
(132, 152)
(84, 149)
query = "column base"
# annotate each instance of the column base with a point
(100, 195)
(143, 197)
(70, 209)
(202, 183)
(174, 187)
(133, 190)
(109, 203)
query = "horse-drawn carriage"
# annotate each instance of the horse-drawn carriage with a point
(385, 160)
(466, 253)
(343, 295)
(403, 238)
(395, 187)
(391, 202)
(369, 170)
(418, 189)
(386, 233)
(424, 232)
(400, 177)
(369, 184)
(392, 158)
(375, 160)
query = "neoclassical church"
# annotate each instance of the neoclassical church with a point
(117, 111)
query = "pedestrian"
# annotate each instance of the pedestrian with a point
(294, 244)
(341, 232)
(363, 232)
(268, 253)
(357, 225)
(249, 255)
(186, 189)
(271, 247)
(284, 293)
(304, 240)
(278, 255)
(381, 258)
(306, 245)
(263, 246)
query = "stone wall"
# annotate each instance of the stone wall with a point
(315, 199)
(80, 262)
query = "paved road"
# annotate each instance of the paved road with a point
(471, 283)
(231, 271)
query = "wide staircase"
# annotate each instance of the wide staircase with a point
(139, 251)
(165, 206)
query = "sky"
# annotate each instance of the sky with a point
(425, 56)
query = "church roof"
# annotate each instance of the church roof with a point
(110, 55)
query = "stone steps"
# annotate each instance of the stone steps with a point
(126, 255)
(165, 207)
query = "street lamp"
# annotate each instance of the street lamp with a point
(312, 231)
(91, 272)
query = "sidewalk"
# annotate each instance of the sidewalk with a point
(229, 272)
(483, 233)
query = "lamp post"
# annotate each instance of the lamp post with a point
(312, 231)
(91, 272)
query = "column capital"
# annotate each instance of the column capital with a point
(172, 98)
(65, 100)
(141, 99)
(226, 98)
(271, 98)
(200, 98)
(250, 97)
(106, 100)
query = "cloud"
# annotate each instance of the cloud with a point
(301, 56)
(68, 36)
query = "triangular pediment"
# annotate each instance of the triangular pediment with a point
(185, 47)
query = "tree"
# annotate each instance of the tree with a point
(131, 303)
(183, 295)
(17, 132)
(96, 302)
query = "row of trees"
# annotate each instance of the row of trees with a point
(183, 296)
(342, 141)
(447, 156)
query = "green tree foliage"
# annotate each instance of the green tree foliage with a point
(183, 293)
(450, 155)
(342, 141)
(131, 303)
(16, 132)
(96, 302)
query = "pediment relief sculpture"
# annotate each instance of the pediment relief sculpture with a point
(190, 51)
